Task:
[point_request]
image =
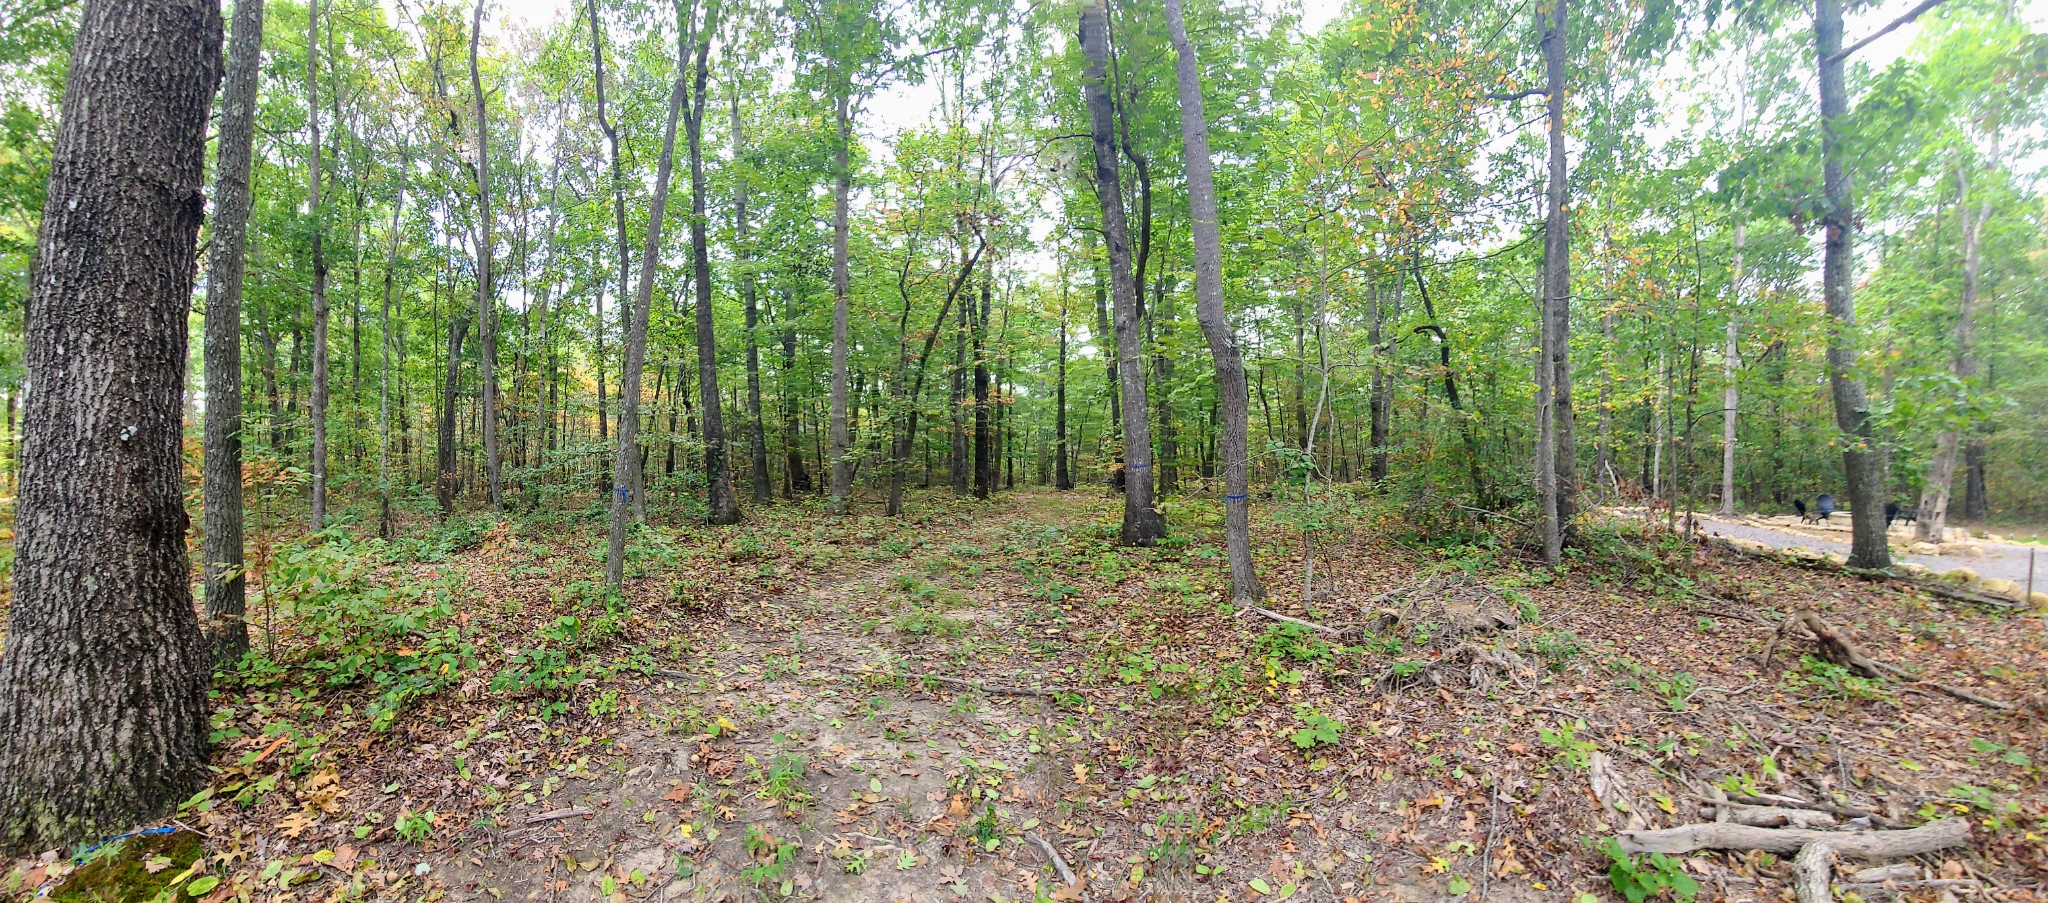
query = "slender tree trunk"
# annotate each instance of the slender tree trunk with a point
(384, 525)
(984, 461)
(486, 318)
(1729, 362)
(842, 188)
(757, 434)
(1209, 310)
(319, 390)
(1941, 474)
(626, 459)
(618, 186)
(228, 633)
(1557, 477)
(1143, 525)
(722, 507)
(956, 463)
(792, 423)
(103, 708)
(1868, 546)
(444, 446)
(1063, 478)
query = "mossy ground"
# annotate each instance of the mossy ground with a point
(122, 872)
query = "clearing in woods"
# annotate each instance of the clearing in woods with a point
(931, 709)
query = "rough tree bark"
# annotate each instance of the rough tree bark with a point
(626, 459)
(1209, 310)
(103, 710)
(1868, 547)
(1143, 525)
(225, 602)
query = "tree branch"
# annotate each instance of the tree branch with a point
(1894, 25)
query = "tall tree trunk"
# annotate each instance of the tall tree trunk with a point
(319, 390)
(103, 708)
(842, 188)
(618, 186)
(1209, 310)
(798, 478)
(486, 318)
(222, 570)
(1557, 475)
(984, 450)
(1868, 547)
(1063, 478)
(722, 507)
(757, 434)
(444, 443)
(626, 458)
(385, 527)
(1729, 362)
(956, 463)
(1143, 525)
(1941, 473)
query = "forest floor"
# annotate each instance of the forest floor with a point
(934, 708)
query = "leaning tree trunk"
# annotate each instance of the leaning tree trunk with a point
(842, 187)
(1230, 385)
(1143, 524)
(722, 507)
(319, 391)
(486, 328)
(1868, 547)
(222, 568)
(764, 488)
(103, 710)
(626, 459)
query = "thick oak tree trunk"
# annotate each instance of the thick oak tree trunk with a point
(225, 601)
(103, 713)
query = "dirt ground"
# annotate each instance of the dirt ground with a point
(937, 709)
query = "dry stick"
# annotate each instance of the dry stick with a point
(1058, 863)
(1319, 628)
(1846, 812)
(558, 815)
(1938, 835)
(1838, 649)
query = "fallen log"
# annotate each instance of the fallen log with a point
(1937, 835)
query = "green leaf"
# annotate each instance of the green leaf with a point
(1260, 885)
(202, 885)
